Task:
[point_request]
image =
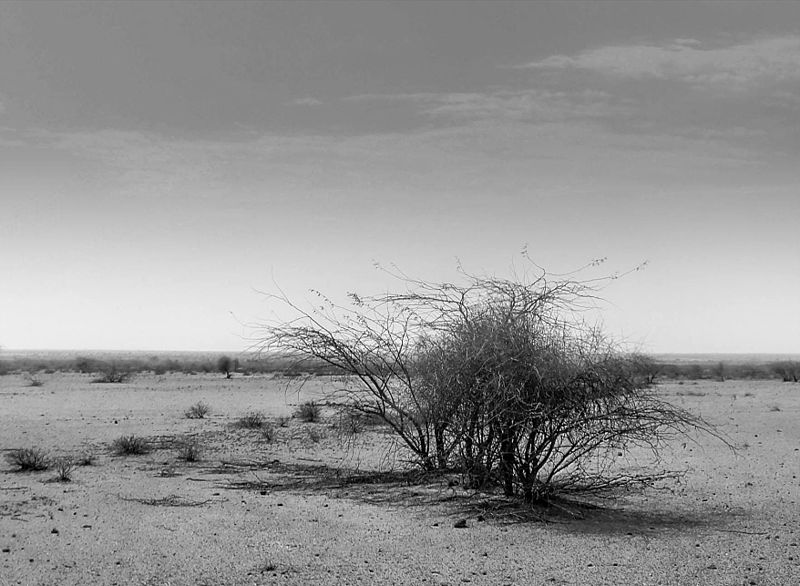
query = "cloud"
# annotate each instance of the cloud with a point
(772, 59)
(307, 101)
(530, 105)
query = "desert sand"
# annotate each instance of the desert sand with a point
(305, 507)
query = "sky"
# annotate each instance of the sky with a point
(163, 165)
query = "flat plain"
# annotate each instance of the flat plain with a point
(324, 503)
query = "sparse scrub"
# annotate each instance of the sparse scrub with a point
(283, 421)
(29, 459)
(191, 451)
(198, 411)
(64, 468)
(130, 445)
(309, 412)
(252, 420)
(33, 381)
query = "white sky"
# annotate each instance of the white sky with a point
(159, 162)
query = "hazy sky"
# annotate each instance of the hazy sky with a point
(160, 162)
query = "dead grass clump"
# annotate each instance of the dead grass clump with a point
(130, 445)
(198, 411)
(191, 451)
(252, 420)
(29, 459)
(309, 412)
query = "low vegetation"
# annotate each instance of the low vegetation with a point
(64, 468)
(130, 445)
(198, 411)
(29, 459)
(309, 412)
(191, 451)
(252, 420)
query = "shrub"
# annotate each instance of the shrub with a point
(64, 468)
(224, 365)
(190, 451)
(268, 433)
(29, 459)
(309, 412)
(198, 411)
(501, 378)
(130, 445)
(251, 420)
(283, 421)
(111, 373)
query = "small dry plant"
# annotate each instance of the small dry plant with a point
(252, 420)
(64, 468)
(283, 421)
(191, 451)
(268, 432)
(198, 411)
(130, 445)
(29, 459)
(309, 412)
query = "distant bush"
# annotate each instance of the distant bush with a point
(225, 365)
(34, 382)
(129, 445)
(309, 412)
(111, 373)
(198, 411)
(788, 371)
(251, 420)
(29, 459)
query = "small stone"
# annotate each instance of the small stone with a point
(54, 531)
(460, 524)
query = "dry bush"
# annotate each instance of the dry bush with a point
(130, 445)
(86, 459)
(309, 412)
(268, 432)
(112, 373)
(191, 451)
(501, 379)
(64, 468)
(197, 411)
(252, 420)
(29, 459)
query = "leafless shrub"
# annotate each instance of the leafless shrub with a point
(86, 458)
(130, 445)
(283, 421)
(251, 420)
(198, 411)
(191, 451)
(29, 459)
(112, 373)
(309, 412)
(499, 378)
(64, 468)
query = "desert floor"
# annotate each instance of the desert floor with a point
(302, 508)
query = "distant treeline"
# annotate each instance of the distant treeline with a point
(651, 368)
(242, 365)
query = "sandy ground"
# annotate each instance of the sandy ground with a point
(287, 511)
